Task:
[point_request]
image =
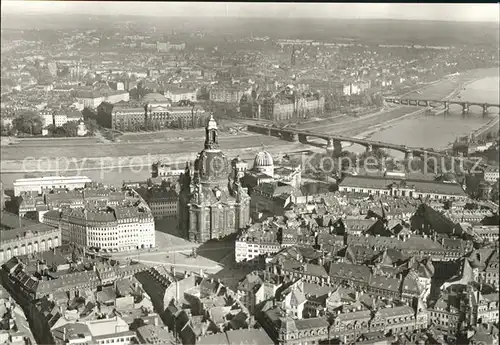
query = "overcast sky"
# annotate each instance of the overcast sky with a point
(449, 12)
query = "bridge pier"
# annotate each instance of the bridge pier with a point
(409, 155)
(302, 138)
(465, 108)
(338, 147)
(485, 109)
(294, 137)
(334, 146)
(369, 148)
(330, 148)
(446, 107)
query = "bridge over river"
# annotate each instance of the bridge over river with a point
(445, 104)
(334, 141)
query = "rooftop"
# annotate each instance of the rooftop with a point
(25, 231)
(420, 186)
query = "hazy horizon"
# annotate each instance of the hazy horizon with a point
(459, 12)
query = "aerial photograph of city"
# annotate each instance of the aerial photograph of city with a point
(249, 173)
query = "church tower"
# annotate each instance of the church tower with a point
(208, 209)
(211, 135)
(211, 165)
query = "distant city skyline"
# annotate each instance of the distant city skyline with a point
(466, 12)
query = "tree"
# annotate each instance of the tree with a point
(377, 99)
(91, 127)
(70, 128)
(51, 129)
(75, 255)
(28, 122)
(5, 128)
(366, 100)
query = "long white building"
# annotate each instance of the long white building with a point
(109, 229)
(39, 184)
(395, 186)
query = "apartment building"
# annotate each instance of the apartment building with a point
(109, 229)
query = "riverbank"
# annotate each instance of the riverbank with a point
(137, 162)
(493, 124)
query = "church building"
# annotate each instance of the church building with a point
(212, 202)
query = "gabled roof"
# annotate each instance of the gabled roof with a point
(251, 282)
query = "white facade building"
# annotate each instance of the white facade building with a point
(47, 118)
(38, 184)
(60, 119)
(491, 174)
(92, 100)
(248, 251)
(256, 241)
(177, 95)
(388, 185)
(112, 229)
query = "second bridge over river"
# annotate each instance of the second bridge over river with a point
(445, 104)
